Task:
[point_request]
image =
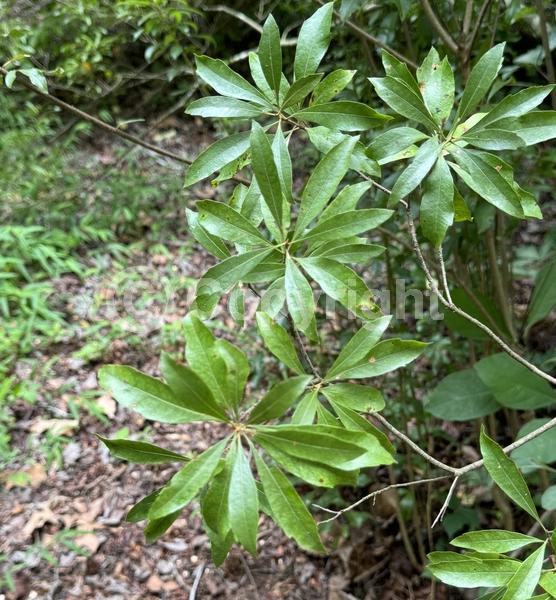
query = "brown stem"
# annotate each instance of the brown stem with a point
(440, 29)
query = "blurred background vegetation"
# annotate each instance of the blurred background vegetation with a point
(80, 210)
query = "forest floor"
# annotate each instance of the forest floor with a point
(62, 510)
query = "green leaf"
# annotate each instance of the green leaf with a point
(348, 223)
(221, 220)
(346, 199)
(480, 79)
(270, 54)
(534, 127)
(332, 85)
(494, 540)
(317, 443)
(36, 77)
(312, 472)
(386, 356)
(213, 244)
(190, 388)
(359, 346)
(278, 341)
(548, 499)
(493, 139)
(343, 115)
(543, 299)
(548, 583)
(341, 283)
(300, 89)
(217, 156)
(437, 205)
(146, 395)
(506, 475)
(274, 298)
(360, 398)
(10, 78)
(140, 511)
(418, 169)
(461, 210)
(228, 272)
(538, 452)
(515, 105)
(398, 70)
(227, 82)
(461, 396)
(243, 500)
(157, 527)
(203, 358)
(306, 410)
(300, 299)
(236, 305)
(325, 139)
(140, 452)
(237, 370)
(187, 482)
(389, 144)
(487, 180)
(265, 171)
(313, 40)
(214, 504)
(519, 388)
(349, 253)
(284, 167)
(287, 507)
(404, 100)
(465, 571)
(523, 583)
(219, 546)
(220, 106)
(436, 82)
(279, 399)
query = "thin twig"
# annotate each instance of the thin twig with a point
(477, 26)
(440, 29)
(546, 46)
(339, 513)
(198, 576)
(249, 575)
(377, 42)
(444, 508)
(236, 14)
(440, 256)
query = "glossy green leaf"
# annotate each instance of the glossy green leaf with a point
(404, 100)
(211, 243)
(548, 583)
(523, 583)
(386, 356)
(222, 220)
(300, 299)
(344, 115)
(494, 540)
(270, 54)
(345, 224)
(265, 171)
(543, 298)
(465, 571)
(227, 82)
(214, 504)
(190, 388)
(346, 199)
(279, 399)
(300, 89)
(390, 143)
(243, 500)
(219, 546)
(220, 106)
(398, 70)
(506, 475)
(486, 180)
(436, 212)
(323, 182)
(534, 127)
(538, 452)
(493, 139)
(313, 40)
(140, 511)
(236, 305)
(284, 166)
(141, 452)
(146, 395)
(157, 527)
(519, 388)
(360, 398)
(288, 509)
(418, 169)
(461, 396)
(436, 82)
(279, 342)
(217, 156)
(306, 410)
(332, 85)
(237, 370)
(349, 253)
(359, 346)
(187, 482)
(480, 79)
